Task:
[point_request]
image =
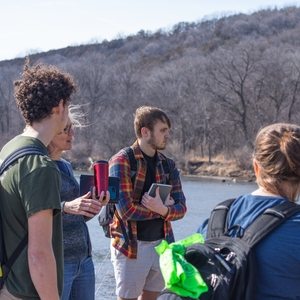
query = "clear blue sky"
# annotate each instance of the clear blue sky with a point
(28, 26)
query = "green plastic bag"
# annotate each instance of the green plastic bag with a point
(180, 276)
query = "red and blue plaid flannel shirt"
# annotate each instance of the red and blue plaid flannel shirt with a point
(129, 209)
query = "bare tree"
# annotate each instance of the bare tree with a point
(10, 119)
(231, 80)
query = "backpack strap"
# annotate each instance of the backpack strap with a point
(132, 161)
(264, 224)
(6, 267)
(133, 164)
(217, 224)
(125, 235)
(14, 156)
(268, 221)
(166, 167)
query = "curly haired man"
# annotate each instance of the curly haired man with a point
(30, 188)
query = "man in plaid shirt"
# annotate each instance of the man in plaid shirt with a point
(147, 219)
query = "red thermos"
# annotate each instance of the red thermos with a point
(101, 176)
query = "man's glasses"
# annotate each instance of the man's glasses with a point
(68, 128)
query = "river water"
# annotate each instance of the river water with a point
(201, 196)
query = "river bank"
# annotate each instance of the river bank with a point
(217, 170)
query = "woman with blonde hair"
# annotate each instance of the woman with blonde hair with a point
(276, 162)
(79, 274)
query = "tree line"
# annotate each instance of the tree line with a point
(219, 80)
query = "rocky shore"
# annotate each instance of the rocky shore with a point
(225, 171)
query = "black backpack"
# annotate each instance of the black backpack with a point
(107, 212)
(227, 264)
(14, 156)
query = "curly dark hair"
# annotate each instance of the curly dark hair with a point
(41, 89)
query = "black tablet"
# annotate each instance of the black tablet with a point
(164, 190)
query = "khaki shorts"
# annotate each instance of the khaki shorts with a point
(135, 275)
(6, 295)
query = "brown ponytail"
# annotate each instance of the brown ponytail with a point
(277, 154)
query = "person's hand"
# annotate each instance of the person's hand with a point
(85, 206)
(169, 201)
(155, 204)
(102, 199)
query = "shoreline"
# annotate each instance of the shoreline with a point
(219, 178)
(225, 171)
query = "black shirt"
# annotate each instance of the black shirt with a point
(150, 230)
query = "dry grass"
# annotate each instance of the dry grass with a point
(219, 166)
(237, 164)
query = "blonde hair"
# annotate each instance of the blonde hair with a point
(76, 116)
(277, 154)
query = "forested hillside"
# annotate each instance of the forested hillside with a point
(219, 80)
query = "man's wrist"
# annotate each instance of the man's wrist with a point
(164, 214)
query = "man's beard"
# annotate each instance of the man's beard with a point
(152, 142)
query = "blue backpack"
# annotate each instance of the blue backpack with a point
(228, 264)
(14, 156)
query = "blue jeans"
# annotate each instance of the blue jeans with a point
(79, 280)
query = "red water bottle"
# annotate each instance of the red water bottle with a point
(101, 176)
